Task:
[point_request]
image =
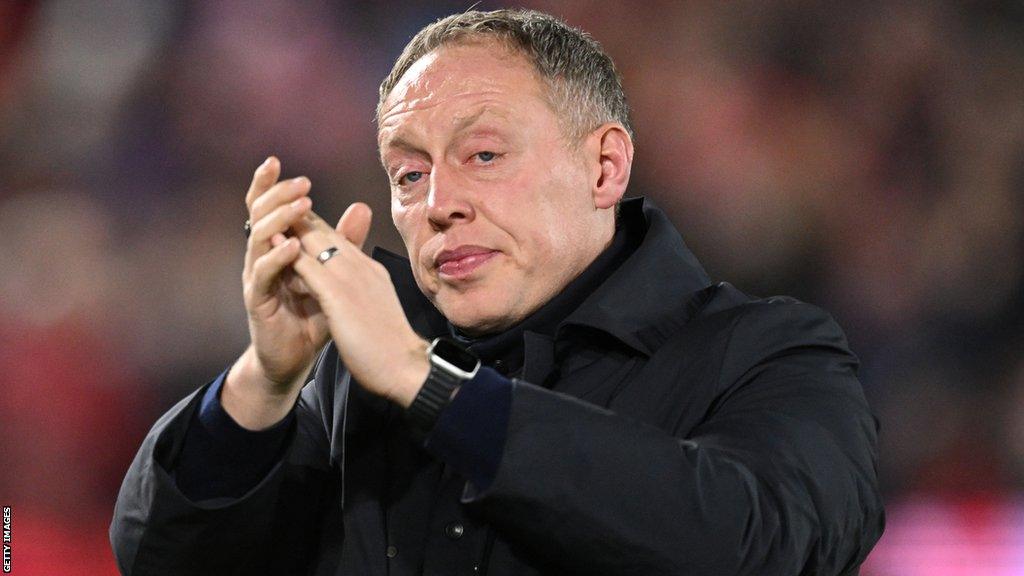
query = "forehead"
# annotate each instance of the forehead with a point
(458, 79)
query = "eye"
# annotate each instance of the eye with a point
(485, 156)
(410, 177)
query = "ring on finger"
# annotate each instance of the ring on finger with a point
(327, 254)
(247, 227)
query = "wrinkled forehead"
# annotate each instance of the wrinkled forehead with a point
(456, 72)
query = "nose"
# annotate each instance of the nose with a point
(447, 201)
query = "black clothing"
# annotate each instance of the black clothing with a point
(504, 351)
(668, 426)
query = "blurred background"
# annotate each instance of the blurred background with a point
(867, 157)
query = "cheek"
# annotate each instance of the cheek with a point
(557, 207)
(542, 238)
(405, 223)
(558, 225)
(409, 221)
(404, 219)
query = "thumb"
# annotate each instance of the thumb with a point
(355, 223)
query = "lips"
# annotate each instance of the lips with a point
(462, 261)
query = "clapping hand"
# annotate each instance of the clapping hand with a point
(294, 302)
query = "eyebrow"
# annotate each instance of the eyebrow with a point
(467, 121)
(460, 125)
(400, 142)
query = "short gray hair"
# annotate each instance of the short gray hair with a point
(583, 85)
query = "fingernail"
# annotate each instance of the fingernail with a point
(299, 203)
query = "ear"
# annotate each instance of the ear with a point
(612, 148)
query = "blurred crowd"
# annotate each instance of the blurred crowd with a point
(866, 157)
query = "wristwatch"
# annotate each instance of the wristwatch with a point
(451, 364)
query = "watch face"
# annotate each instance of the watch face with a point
(455, 355)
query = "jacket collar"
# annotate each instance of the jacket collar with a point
(640, 304)
(646, 298)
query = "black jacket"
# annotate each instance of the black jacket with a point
(672, 426)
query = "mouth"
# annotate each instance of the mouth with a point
(461, 262)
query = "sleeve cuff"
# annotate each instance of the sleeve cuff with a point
(470, 432)
(219, 457)
(219, 423)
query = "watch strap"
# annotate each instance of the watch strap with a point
(432, 397)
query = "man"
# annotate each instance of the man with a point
(598, 407)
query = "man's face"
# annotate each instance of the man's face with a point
(494, 207)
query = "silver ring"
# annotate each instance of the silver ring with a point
(327, 254)
(247, 227)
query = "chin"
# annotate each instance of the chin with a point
(475, 319)
(478, 325)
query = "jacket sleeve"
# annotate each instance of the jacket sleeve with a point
(218, 457)
(779, 477)
(268, 530)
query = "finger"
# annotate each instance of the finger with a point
(316, 233)
(262, 179)
(322, 281)
(294, 283)
(354, 224)
(267, 267)
(272, 225)
(315, 241)
(316, 276)
(350, 234)
(312, 222)
(279, 194)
